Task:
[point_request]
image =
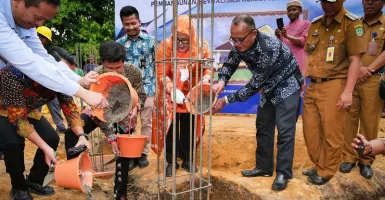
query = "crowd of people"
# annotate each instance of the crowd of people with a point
(340, 53)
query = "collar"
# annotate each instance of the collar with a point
(295, 21)
(337, 18)
(381, 19)
(141, 36)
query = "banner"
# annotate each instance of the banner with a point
(264, 12)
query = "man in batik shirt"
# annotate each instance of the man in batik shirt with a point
(275, 72)
(20, 97)
(140, 52)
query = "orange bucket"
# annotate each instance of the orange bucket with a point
(119, 93)
(193, 99)
(75, 173)
(131, 146)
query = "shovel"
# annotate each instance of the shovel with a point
(51, 174)
(112, 160)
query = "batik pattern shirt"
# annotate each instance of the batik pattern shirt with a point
(20, 97)
(141, 53)
(274, 68)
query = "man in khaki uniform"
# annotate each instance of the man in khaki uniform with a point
(334, 45)
(367, 104)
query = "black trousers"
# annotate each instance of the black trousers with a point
(298, 109)
(14, 151)
(284, 116)
(1, 148)
(122, 164)
(183, 140)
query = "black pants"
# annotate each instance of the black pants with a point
(14, 151)
(121, 177)
(298, 109)
(183, 140)
(284, 116)
(122, 164)
(1, 148)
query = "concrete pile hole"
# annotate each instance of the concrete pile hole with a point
(220, 190)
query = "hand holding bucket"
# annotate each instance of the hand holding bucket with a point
(198, 99)
(120, 95)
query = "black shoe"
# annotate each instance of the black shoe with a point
(256, 172)
(366, 171)
(280, 182)
(346, 167)
(186, 166)
(310, 172)
(143, 161)
(169, 169)
(20, 195)
(132, 164)
(39, 189)
(317, 180)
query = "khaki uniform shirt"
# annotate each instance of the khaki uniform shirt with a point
(379, 28)
(345, 34)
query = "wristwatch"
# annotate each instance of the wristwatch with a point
(226, 100)
(83, 134)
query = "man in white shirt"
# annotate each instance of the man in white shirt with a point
(20, 47)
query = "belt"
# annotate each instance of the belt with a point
(320, 80)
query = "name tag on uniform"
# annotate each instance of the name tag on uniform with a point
(330, 54)
(372, 49)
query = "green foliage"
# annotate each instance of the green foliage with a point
(83, 23)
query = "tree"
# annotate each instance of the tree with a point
(83, 23)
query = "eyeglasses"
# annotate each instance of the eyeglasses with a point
(326, 1)
(239, 41)
(183, 41)
(372, 1)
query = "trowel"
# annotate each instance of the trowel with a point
(51, 174)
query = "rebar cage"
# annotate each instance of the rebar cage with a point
(189, 185)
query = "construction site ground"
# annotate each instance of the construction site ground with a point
(232, 150)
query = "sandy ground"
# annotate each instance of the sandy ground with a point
(232, 150)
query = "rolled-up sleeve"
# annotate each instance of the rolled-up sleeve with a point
(29, 60)
(34, 43)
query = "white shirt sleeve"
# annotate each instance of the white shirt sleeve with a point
(34, 43)
(17, 53)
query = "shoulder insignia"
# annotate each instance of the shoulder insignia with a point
(317, 18)
(351, 16)
(359, 30)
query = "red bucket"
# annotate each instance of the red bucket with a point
(76, 173)
(119, 93)
(131, 146)
(193, 99)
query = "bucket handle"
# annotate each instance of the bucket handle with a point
(116, 128)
